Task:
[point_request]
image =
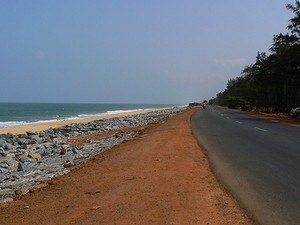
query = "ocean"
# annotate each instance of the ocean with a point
(23, 113)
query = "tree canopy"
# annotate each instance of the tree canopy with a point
(272, 82)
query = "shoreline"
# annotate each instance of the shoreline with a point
(41, 126)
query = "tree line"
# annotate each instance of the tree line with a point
(272, 82)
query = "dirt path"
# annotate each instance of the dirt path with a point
(160, 177)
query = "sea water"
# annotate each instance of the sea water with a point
(23, 113)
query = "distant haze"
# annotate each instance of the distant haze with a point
(158, 51)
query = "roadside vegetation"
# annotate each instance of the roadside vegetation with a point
(272, 82)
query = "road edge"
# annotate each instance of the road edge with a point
(218, 177)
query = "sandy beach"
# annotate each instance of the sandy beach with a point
(35, 127)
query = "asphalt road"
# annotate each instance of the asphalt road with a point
(257, 160)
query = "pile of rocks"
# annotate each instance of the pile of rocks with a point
(28, 160)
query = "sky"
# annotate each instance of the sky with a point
(130, 51)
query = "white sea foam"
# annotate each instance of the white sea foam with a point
(122, 111)
(108, 113)
(11, 123)
(80, 116)
(18, 123)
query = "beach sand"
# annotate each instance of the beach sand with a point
(36, 127)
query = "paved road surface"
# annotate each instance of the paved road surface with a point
(257, 160)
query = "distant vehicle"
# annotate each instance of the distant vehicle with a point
(295, 112)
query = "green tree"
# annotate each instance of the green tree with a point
(272, 83)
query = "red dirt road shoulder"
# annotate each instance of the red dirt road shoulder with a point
(160, 177)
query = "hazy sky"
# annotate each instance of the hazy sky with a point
(130, 51)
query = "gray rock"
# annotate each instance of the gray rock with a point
(22, 141)
(36, 138)
(20, 167)
(8, 136)
(7, 155)
(29, 133)
(8, 147)
(3, 171)
(1, 142)
(4, 164)
(75, 150)
(9, 164)
(45, 153)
